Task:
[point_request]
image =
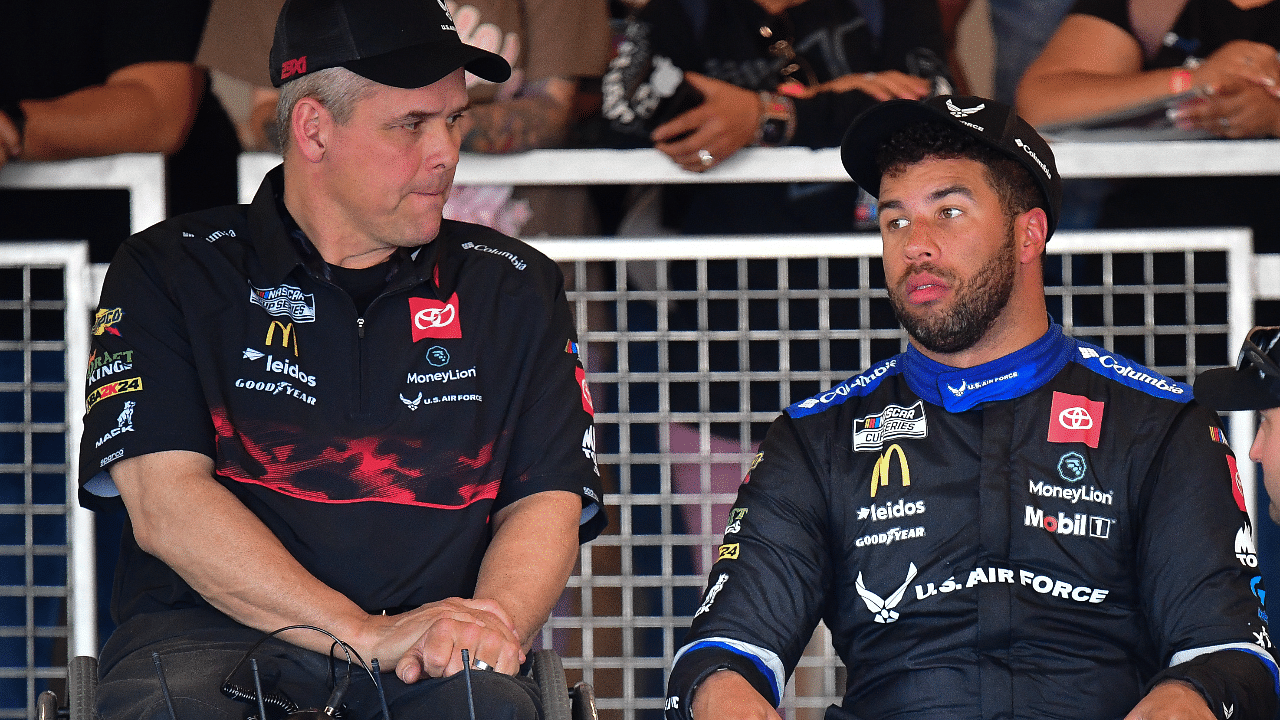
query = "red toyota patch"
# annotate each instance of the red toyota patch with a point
(586, 392)
(1075, 419)
(434, 319)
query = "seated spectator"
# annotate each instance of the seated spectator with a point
(99, 78)
(764, 72)
(1109, 54)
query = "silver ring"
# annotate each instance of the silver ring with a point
(481, 665)
(705, 157)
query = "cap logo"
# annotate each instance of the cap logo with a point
(1027, 149)
(963, 112)
(294, 67)
(447, 14)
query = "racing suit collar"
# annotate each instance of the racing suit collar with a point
(1005, 378)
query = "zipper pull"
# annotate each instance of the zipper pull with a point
(360, 326)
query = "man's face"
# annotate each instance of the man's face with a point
(389, 168)
(1266, 450)
(949, 252)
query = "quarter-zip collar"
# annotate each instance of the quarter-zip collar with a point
(1004, 378)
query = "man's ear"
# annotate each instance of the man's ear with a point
(1031, 231)
(309, 123)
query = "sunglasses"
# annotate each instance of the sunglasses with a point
(1255, 352)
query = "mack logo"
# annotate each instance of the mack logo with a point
(285, 301)
(1245, 551)
(589, 447)
(1077, 524)
(967, 386)
(1071, 494)
(287, 333)
(891, 423)
(124, 423)
(883, 609)
(105, 391)
(880, 473)
(712, 593)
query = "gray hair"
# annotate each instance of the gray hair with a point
(336, 88)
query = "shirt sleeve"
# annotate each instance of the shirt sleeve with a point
(554, 444)
(1199, 572)
(140, 31)
(765, 592)
(143, 394)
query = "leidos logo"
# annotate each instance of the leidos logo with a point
(880, 474)
(434, 319)
(287, 332)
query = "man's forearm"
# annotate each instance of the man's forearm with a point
(147, 107)
(184, 517)
(533, 551)
(538, 118)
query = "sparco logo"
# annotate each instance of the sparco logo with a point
(515, 261)
(1076, 524)
(285, 301)
(893, 422)
(1071, 494)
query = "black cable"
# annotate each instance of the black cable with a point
(257, 687)
(466, 672)
(238, 693)
(164, 685)
(377, 681)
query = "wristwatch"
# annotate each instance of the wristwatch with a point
(777, 120)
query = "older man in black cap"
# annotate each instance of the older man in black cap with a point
(333, 409)
(1001, 521)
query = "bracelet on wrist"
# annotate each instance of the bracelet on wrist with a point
(777, 120)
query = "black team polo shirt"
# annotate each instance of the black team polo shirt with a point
(376, 445)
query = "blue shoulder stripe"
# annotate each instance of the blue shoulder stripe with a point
(856, 386)
(1126, 372)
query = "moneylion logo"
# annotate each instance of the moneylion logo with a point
(880, 473)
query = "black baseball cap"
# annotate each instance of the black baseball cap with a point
(995, 124)
(1253, 384)
(401, 43)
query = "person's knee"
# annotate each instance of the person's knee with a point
(495, 696)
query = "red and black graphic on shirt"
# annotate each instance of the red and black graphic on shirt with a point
(346, 470)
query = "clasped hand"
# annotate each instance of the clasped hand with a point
(1242, 83)
(428, 641)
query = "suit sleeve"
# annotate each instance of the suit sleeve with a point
(765, 592)
(1199, 572)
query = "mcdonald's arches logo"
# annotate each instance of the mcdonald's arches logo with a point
(288, 335)
(880, 474)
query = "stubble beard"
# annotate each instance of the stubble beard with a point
(978, 303)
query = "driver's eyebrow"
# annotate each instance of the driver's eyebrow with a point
(934, 196)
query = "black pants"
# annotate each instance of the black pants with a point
(199, 647)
